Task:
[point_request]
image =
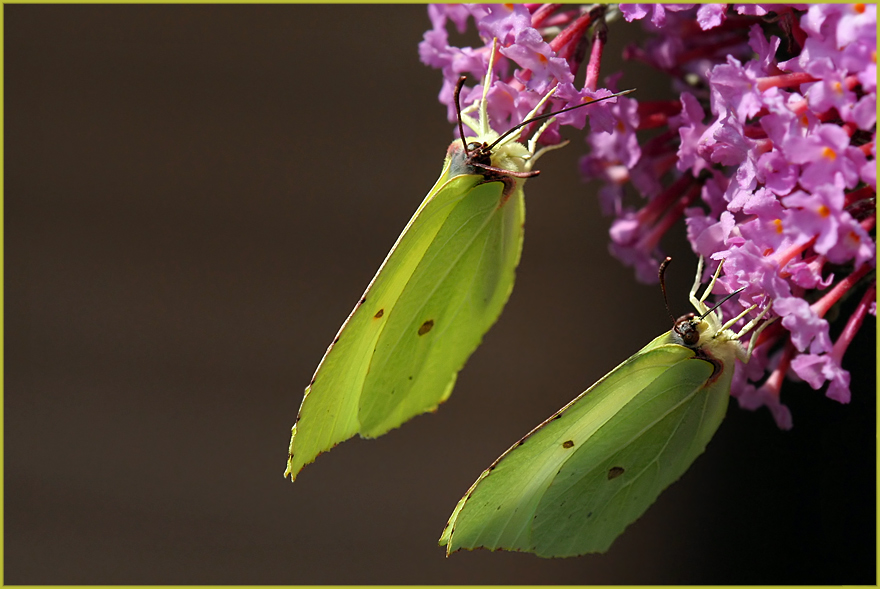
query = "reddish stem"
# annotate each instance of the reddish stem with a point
(656, 113)
(857, 195)
(652, 211)
(542, 13)
(658, 144)
(853, 324)
(755, 132)
(797, 33)
(785, 256)
(784, 81)
(772, 333)
(822, 305)
(653, 121)
(652, 238)
(562, 18)
(799, 107)
(774, 381)
(591, 81)
(667, 107)
(570, 34)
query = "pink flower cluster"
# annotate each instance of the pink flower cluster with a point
(528, 67)
(778, 180)
(768, 155)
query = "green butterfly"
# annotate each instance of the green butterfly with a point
(441, 287)
(572, 484)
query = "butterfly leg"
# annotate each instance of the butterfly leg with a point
(754, 339)
(748, 326)
(709, 288)
(698, 279)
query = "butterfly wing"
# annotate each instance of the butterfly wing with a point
(574, 483)
(442, 286)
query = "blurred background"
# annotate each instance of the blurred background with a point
(195, 198)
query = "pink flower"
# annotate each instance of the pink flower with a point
(827, 158)
(771, 164)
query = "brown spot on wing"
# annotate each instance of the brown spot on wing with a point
(568, 444)
(426, 327)
(615, 472)
(379, 313)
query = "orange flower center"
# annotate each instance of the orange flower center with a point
(829, 153)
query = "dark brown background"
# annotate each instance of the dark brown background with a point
(196, 197)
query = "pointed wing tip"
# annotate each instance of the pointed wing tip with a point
(446, 541)
(289, 471)
(294, 472)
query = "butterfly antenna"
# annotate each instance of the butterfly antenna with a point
(553, 114)
(662, 274)
(458, 86)
(724, 300)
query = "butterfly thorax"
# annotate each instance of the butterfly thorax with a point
(708, 341)
(510, 157)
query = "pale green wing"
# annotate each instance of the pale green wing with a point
(439, 290)
(574, 483)
(454, 296)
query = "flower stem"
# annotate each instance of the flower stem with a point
(652, 238)
(543, 13)
(857, 195)
(822, 305)
(785, 81)
(652, 211)
(853, 324)
(773, 383)
(565, 42)
(785, 256)
(592, 79)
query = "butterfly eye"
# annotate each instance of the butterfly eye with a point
(686, 328)
(691, 337)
